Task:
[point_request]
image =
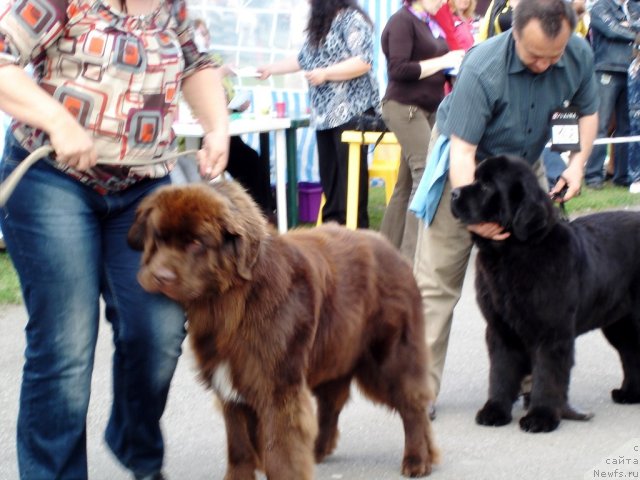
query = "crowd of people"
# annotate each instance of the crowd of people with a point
(479, 87)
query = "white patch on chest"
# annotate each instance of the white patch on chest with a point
(222, 384)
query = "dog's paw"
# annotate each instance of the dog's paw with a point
(415, 466)
(323, 450)
(493, 415)
(625, 396)
(540, 419)
(240, 472)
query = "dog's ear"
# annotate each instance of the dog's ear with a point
(530, 218)
(245, 248)
(138, 231)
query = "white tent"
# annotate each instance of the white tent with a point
(254, 32)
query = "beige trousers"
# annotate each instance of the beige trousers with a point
(442, 256)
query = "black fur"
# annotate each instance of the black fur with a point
(549, 282)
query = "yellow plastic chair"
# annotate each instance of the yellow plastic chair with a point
(385, 165)
(323, 200)
(355, 141)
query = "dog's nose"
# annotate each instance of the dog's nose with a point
(164, 276)
(455, 194)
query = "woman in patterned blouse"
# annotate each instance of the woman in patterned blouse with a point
(103, 95)
(337, 59)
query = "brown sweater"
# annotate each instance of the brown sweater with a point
(406, 40)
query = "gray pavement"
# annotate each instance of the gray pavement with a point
(370, 447)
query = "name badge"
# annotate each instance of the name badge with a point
(565, 134)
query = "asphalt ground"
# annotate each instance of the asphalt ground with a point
(371, 443)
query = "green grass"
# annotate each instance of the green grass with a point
(9, 285)
(609, 198)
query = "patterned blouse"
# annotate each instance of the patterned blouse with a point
(335, 103)
(119, 75)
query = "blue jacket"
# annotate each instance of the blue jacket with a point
(611, 40)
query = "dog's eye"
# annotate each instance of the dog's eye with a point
(484, 188)
(196, 247)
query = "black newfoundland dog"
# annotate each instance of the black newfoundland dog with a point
(550, 281)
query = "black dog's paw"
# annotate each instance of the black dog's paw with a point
(625, 396)
(540, 419)
(493, 415)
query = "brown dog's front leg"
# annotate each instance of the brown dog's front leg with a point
(290, 432)
(244, 442)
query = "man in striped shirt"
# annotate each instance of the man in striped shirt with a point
(502, 102)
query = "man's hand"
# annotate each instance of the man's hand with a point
(492, 231)
(571, 178)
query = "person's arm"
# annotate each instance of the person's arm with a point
(462, 162)
(287, 65)
(451, 59)
(483, 32)
(23, 99)
(203, 91)
(462, 166)
(604, 20)
(572, 176)
(345, 70)
(398, 45)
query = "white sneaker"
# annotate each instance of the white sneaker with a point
(634, 187)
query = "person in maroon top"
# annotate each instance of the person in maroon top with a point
(417, 60)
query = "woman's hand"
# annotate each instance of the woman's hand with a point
(452, 59)
(72, 143)
(214, 154)
(316, 77)
(264, 71)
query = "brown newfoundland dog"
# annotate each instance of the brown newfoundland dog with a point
(548, 282)
(274, 319)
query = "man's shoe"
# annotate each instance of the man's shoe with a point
(595, 185)
(634, 187)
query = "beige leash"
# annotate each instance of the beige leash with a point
(8, 186)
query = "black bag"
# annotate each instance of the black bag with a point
(369, 121)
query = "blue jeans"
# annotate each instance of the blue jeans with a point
(633, 85)
(553, 166)
(68, 244)
(612, 89)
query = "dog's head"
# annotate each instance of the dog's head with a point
(505, 191)
(196, 239)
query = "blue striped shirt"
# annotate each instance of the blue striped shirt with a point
(503, 108)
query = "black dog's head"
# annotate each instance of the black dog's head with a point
(505, 191)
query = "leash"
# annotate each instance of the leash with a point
(8, 186)
(560, 195)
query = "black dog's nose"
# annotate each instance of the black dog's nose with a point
(455, 194)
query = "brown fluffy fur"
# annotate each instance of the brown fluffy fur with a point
(286, 317)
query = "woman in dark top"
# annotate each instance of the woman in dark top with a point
(417, 58)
